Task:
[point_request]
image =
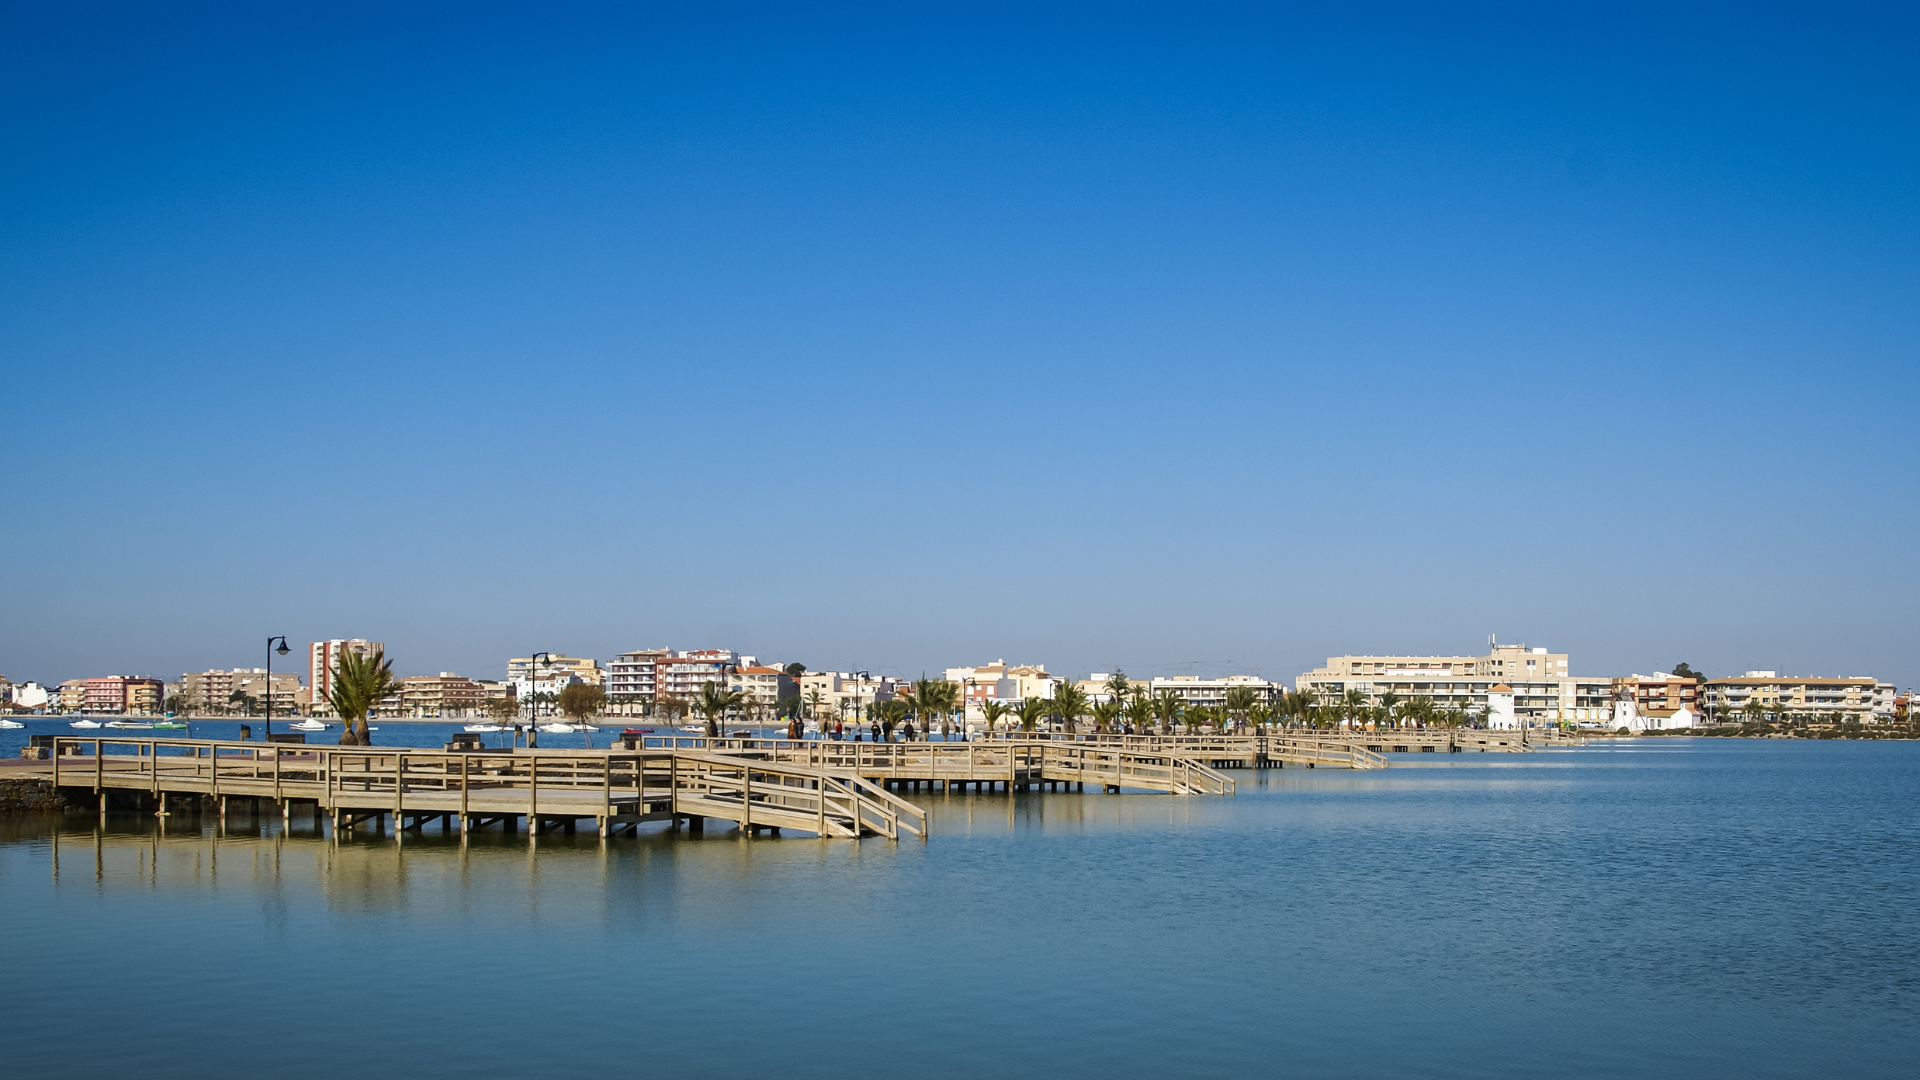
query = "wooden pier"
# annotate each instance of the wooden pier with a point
(830, 788)
(542, 789)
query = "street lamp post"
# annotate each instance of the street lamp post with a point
(533, 703)
(283, 650)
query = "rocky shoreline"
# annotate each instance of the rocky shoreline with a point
(32, 795)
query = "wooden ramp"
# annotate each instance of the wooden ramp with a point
(1007, 764)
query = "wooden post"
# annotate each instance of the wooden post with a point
(746, 797)
(533, 795)
(99, 766)
(820, 785)
(465, 760)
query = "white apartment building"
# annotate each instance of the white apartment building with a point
(1858, 699)
(682, 674)
(1192, 689)
(1542, 687)
(322, 656)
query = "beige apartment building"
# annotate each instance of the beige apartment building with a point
(581, 668)
(1543, 689)
(445, 694)
(999, 682)
(761, 685)
(1857, 699)
(212, 690)
(845, 694)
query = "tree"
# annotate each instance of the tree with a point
(1118, 686)
(1262, 716)
(1168, 708)
(1139, 712)
(1388, 702)
(1682, 671)
(1030, 710)
(358, 684)
(713, 704)
(1069, 704)
(815, 699)
(993, 710)
(1105, 713)
(795, 670)
(581, 700)
(182, 703)
(1352, 704)
(503, 709)
(1240, 701)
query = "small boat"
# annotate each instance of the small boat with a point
(85, 724)
(697, 729)
(10, 725)
(483, 727)
(557, 729)
(623, 731)
(167, 725)
(124, 725)
(308, 724)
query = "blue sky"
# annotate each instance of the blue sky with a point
(1182, 339)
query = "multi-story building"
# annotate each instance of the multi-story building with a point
(1659, 701)
(1195, 690)
(73, 695)
(123, 694)
(762, 685)
(1543, 690)
(999, 682)
(682, 674)
(1856, 699)
(212, 690)
(630, 679)
(845, 694)
(322, 657)
(582, 669)
(445, 694)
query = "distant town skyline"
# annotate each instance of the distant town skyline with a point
(1145, 338)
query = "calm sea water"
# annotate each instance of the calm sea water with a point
(1697, 908)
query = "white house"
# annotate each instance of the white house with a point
(1500, 708)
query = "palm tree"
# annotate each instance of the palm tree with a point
(1168, 707)
(1069, 704)
(1118, 686)
(993, 710)
(1030, 710)
(1388, 701)
(357, 685)
(1139, 712)
(1240, 701)
(1262, 716)
(713, 704)
(1352, 704)
(1104, 714)
(815, 699)
(946, 700)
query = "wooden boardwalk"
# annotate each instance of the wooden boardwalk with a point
(842, 789)
(477, 789)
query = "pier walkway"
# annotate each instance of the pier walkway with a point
(476, 789)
